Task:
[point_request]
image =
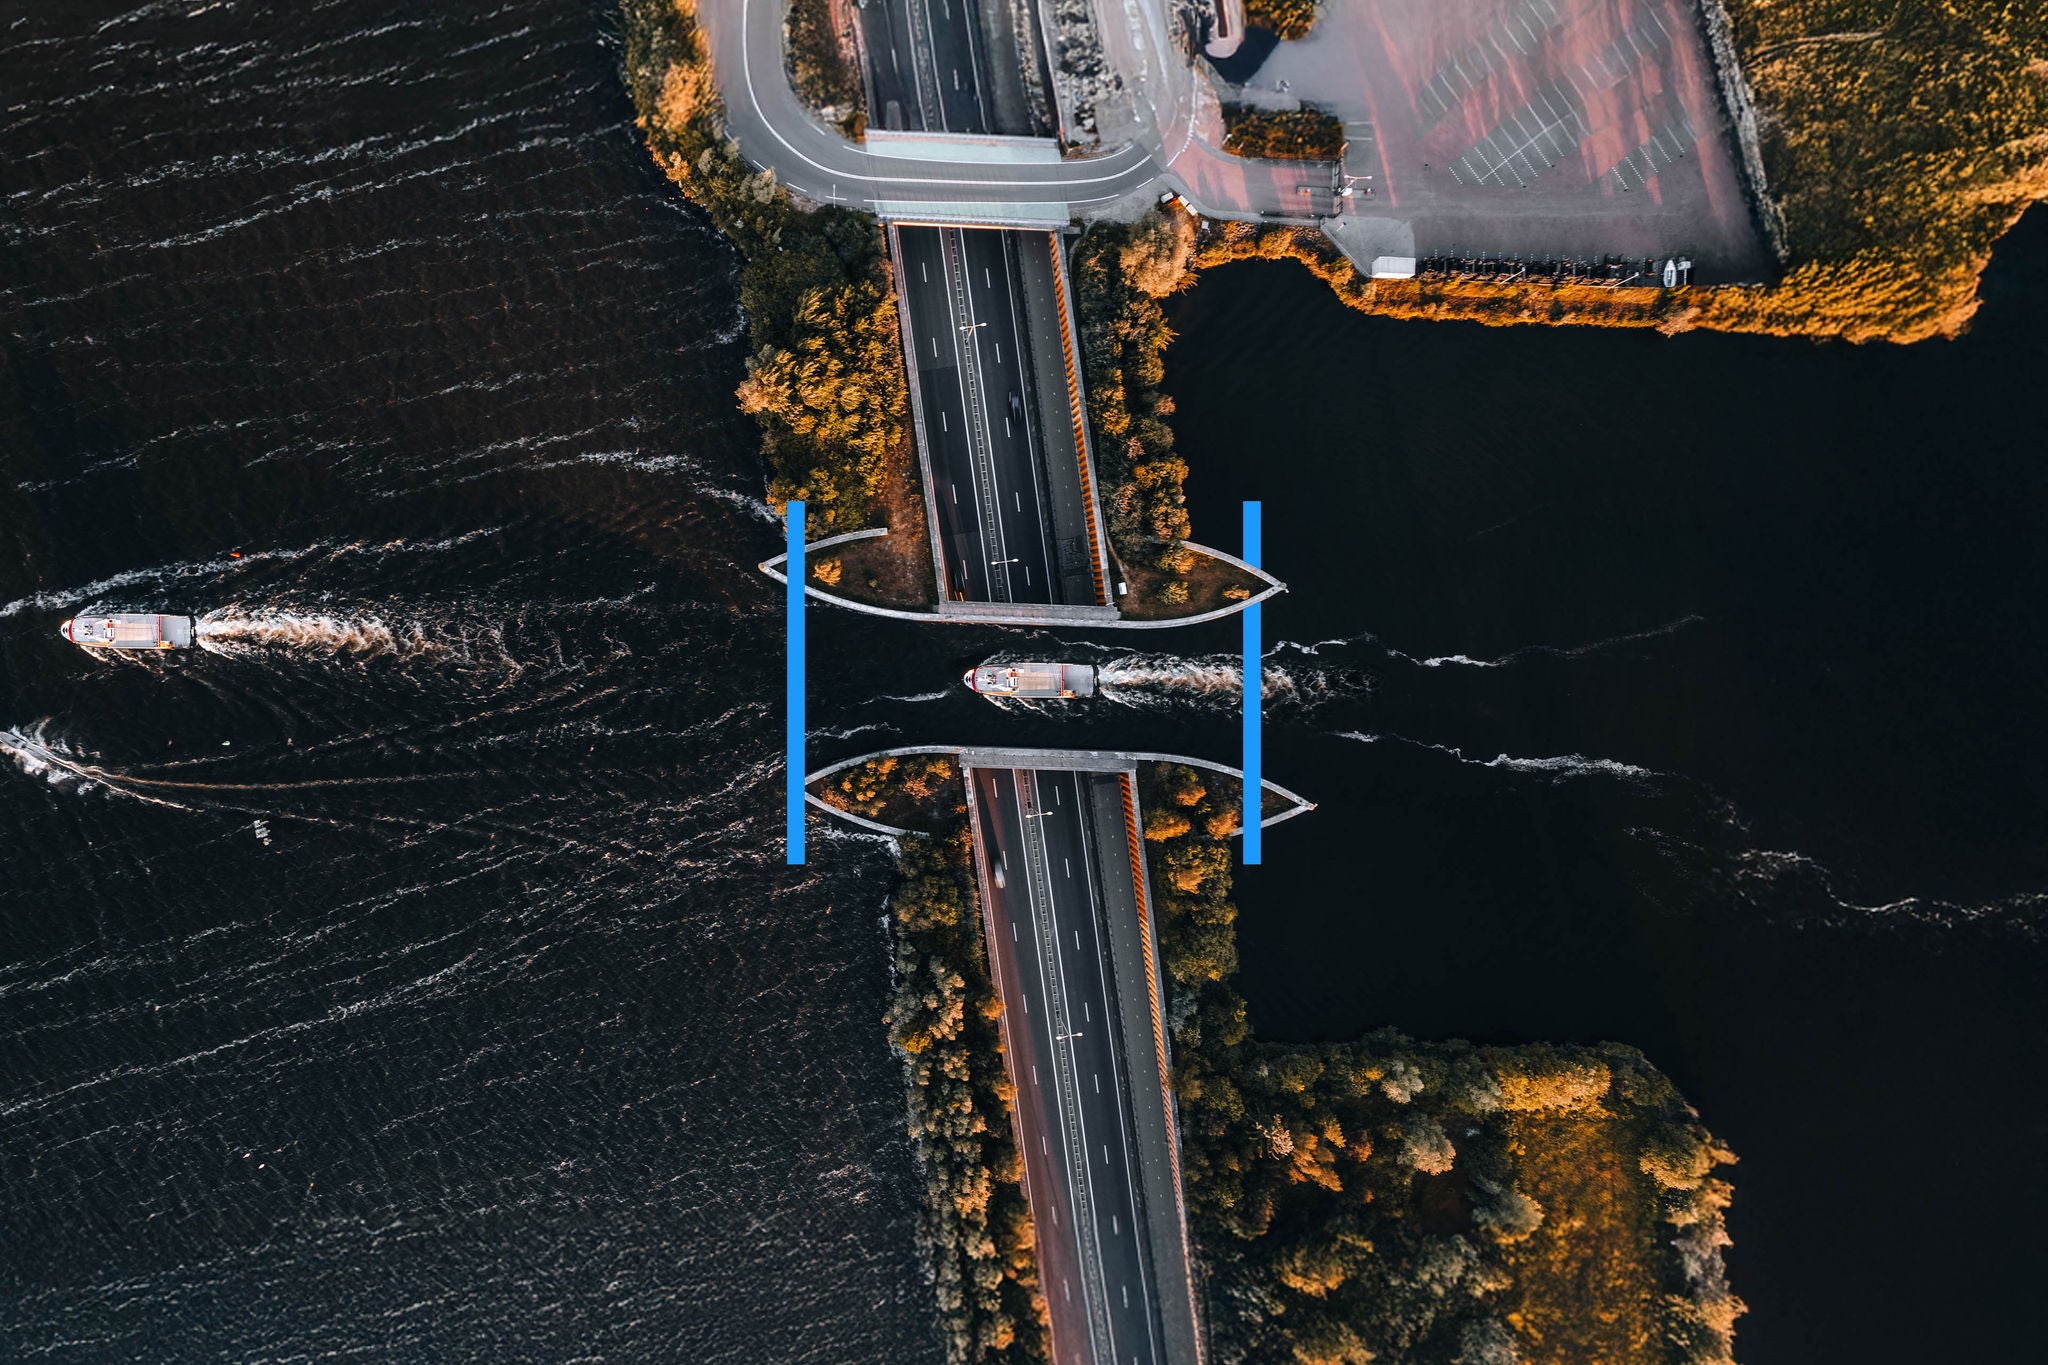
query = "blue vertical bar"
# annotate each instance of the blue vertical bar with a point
(1254, 676)
(793, 687)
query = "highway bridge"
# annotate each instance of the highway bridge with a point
(1071, 949)
(963, 175)
(997, 401)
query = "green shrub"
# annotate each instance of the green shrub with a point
(1304, 134)
(1288, 18)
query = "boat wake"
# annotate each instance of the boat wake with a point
(1158, 680)
(235, 632)
(1557, 766)
(37, 754)
(1552, 651)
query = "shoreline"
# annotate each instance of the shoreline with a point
(826, 376)
(1882, 200)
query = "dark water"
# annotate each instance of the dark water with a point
(514, 1041)
(1706, 716)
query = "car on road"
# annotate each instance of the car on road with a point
(1016, 406)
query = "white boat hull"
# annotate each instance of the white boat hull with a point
(128, 630)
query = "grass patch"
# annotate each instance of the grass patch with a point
(920, 792)
(1208, 585)
(819, 54)
(1304, 134)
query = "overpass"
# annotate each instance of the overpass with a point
(1073, 950)
(971, 178)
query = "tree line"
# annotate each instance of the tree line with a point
(825, 376)
(974, 1225)
(1120, 272)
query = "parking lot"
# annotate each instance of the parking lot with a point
(1527, 125)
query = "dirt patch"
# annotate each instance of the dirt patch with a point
(1587, 1283)
(1210, 584)
(886, 571)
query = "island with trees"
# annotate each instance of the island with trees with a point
(1390, 1199)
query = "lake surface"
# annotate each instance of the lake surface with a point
(412, 972)
(1704, 716)
(515, 1041)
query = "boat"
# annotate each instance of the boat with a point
(129, 630)
(1670, 274)
(1032, 680)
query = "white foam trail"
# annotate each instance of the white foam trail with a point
(1572, 765)
(850, 731)
(37, 755)
(1555, 651)
(1562, 765)
(1771, 881)
(71, 598)
(746, 502)
(1213, 676)
(940, 695)
(225, 632)
(1153, 679)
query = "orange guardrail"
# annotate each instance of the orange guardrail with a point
(1145, 936)
(1059, 294)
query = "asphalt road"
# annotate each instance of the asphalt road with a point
(980, 423)
(773, 129)
(1052, 966)
(924, 61)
